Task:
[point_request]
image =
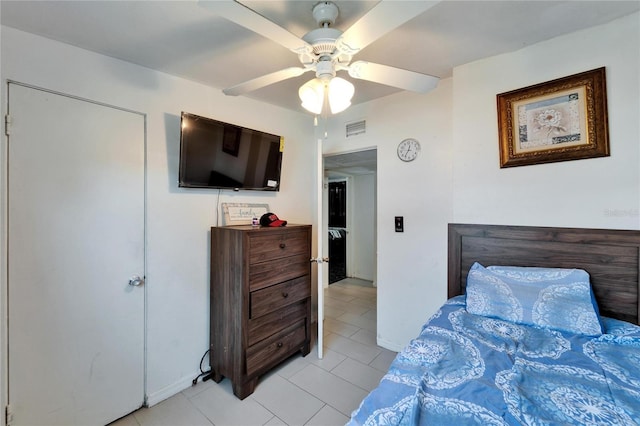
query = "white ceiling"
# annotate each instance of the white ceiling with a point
(351, 164)
(187, 40)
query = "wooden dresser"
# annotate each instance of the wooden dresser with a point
(260, 300)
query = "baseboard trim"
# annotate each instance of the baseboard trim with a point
(388, 345)
(169, 391)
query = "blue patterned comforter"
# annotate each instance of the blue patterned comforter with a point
(467, 369)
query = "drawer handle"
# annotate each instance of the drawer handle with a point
(279, 344)
(285, 294)
(282, 245)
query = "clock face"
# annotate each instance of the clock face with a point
(408, 149)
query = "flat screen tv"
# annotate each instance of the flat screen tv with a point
(220, 155)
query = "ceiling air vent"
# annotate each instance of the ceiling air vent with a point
(356, 128)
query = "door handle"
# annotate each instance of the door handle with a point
(136, 281)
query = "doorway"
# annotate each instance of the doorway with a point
(76, 248)
(350, 212)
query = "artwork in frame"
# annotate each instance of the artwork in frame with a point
(242, 213)
(560, 120)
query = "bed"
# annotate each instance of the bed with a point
(498, 353)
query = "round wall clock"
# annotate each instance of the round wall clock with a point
(408, 149)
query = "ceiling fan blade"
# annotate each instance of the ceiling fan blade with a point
(243, 16)
(396, 77)
(383, 18)
(265, 80)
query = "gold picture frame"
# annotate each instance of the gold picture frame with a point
(560, 120)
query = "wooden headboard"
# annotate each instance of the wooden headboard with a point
(611, 257)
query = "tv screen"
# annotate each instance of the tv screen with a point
(214, 154)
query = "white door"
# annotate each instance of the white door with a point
(320, 247)
(76, 237)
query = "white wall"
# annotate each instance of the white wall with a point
(178, 220)
(594, 193)
(362, 251)
(411, 265)
(457, 177)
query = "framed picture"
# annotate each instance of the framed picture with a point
(560, 120)
(242, 213)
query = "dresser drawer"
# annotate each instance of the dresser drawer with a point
(264, 274)
(277, 296)
(267, 325)
(273, 350)
(276, 245)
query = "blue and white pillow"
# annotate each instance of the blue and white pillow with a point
(555, 298)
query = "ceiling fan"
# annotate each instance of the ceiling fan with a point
(327, 50)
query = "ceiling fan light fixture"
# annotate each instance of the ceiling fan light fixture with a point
(340, 93)
(315, 94)
(312, 95)
(327, 50)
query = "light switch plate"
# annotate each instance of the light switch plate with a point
(399, 223)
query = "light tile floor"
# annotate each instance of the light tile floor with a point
(301, 391)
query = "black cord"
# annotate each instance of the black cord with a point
(206, 374)
(218, 208)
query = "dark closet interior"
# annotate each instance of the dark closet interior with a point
(337, 231)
